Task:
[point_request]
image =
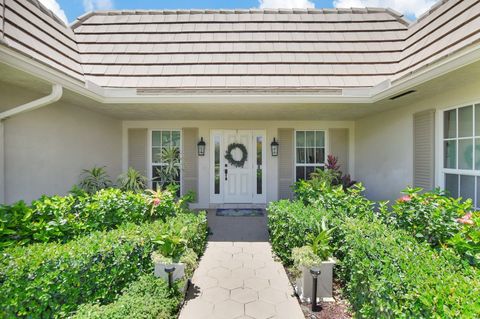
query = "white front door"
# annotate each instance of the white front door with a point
(241, 182)
(238, 180)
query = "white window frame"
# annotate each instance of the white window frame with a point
(326, 147)
(457, 171)
(149, 154)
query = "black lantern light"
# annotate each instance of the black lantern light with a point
(274, 146)
(201, 147)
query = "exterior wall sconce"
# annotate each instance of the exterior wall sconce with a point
(201, 147)
(274, 146)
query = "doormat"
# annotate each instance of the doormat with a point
(240, 212)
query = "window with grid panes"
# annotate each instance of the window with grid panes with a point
(461, 152)
(309, 153)
(163, 139)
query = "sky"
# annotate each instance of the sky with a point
(69, 10)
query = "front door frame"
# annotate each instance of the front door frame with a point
(217, 136)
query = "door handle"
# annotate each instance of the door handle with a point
(226, 174)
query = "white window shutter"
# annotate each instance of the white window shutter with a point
(424, 149)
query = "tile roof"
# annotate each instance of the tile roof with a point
(288, 49)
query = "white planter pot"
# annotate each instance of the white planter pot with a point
(324, 283)
(178, 273)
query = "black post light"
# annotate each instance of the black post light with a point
(315, 272)
(201, 147)
(169, 270)
(274, 146)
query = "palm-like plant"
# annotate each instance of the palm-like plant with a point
(95, 179)
(170, 170)
(320, 242)
(132, 180)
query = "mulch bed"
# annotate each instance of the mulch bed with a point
(339, 309)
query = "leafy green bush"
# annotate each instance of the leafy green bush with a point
(147, 298)
(52, 279)
(323, 195)
(303, 257)
(429, 216)
(290, 224)
(467, 241)
(388, 274)
(62, 218)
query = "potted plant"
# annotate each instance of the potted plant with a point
(173, 252)
(316, 254)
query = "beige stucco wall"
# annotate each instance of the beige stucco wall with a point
(46, 149)
(384, 141)
(205, 162)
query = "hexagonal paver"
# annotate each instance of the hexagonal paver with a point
(205, 282)
(256, 283)
(243, 257)
(221, 255)
(231, 264)
(243, 273)
(289, 310)
(230, 282)
(244, 295)
(272, 296)
(215, 294)
(196, 309)
(259, 310)
(219, 273)
(232, 250)
(254, 263)
(228, 309)
(281, 284)
(266, 273)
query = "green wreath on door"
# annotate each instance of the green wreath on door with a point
(231, 160)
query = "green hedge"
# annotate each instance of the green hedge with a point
(61, 218)
(52, 279)
(388, 274)
(289, 224)
(147, 298)
(386, 271)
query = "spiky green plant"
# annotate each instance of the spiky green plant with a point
(95, 179)
(170, 170)
(132, 180)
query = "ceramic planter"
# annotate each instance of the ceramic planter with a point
(324, 286)
(178, 273)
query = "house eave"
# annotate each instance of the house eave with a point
(382, 91)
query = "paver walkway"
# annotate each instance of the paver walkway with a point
(238, 277)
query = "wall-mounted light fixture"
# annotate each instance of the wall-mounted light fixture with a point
(201, 147)
(274, 146)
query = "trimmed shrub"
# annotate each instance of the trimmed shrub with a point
(147, 298)
(388, 274)
(58, 218)
(429, 216)
(289, 225)
(335, 199)
(52, 279)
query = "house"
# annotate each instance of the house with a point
(397, 102)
